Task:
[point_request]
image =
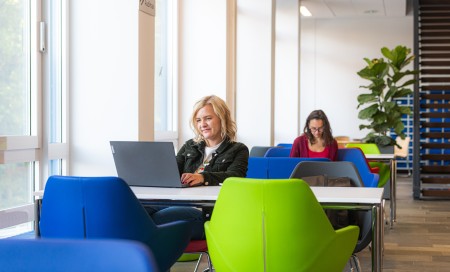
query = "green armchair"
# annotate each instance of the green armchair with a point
(274, 225)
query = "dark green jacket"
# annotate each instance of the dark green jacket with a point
(229, 160)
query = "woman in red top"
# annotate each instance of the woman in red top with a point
(317, 140)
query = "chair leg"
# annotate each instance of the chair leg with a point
(198, 262)
(209, 269)
(357, 265)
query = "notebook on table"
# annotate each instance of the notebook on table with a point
(149, 164)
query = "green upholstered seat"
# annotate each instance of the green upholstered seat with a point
(383, 169)
(367, 148)
(274, 225)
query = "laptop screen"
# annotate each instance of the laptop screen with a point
(146, 163)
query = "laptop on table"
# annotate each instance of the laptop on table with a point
(148, 164)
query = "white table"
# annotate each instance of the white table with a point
(392, 160)
(352, 198)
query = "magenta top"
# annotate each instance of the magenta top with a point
(300, 149)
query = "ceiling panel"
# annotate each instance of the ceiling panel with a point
(355, 8)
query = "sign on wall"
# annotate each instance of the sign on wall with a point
(147, 6)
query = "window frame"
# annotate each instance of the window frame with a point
(36, 148)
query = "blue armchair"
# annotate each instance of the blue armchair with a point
(278, 152)
(53, 255)
(356, 156)
(274, 167)
(106, 208)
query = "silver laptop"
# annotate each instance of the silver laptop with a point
(146, 163)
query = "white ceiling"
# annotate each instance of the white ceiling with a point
(355, 8)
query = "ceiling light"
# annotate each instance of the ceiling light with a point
(304, 11)
(371, 11)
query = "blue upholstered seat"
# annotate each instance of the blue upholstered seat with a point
(278, 152)
(274, 167)
(106, 208)
(53, 255)
(356, 156)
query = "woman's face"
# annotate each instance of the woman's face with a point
(316, 127)
(209, 125)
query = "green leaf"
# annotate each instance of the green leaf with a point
(368, 112)
(361, 127)
(381, 128)
(407, 61)
(399, 127)
(404, 110)
(379, 117)
(388, 105)
(397, 76)
(392, 91)
(383, 140)
(377, 70)
(396, 56)
(366, 98)
(409, 82)
(402, 93)
(387, 53)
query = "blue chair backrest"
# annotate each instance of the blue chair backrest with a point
(356, 156)
(106, 208)
(281, 168)
(274, 167)
(278, 152)
(62, 213)
(80, 207)
(53, 255)
(259, 151)
(285, 145)
(258, 167)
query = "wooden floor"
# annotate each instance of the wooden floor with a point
(419, 240)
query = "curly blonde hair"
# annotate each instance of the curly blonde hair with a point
(228, 126)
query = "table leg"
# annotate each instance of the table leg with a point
(37, 216)
(377, 238)
(393, 193)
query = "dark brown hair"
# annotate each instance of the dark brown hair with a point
(327, 134)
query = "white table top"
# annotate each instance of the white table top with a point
(380, 156)
(359, 195)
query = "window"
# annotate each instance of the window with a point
(17, 105)
(165, 68)
(32, 103)
(15, 68)
(55, 86)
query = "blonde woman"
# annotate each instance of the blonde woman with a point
(206, 160)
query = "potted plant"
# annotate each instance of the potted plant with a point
(387, 82)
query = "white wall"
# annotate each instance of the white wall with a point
(202, 57)
(332, 52)
(253, 68)
(287, 70)
(104, 71)
(103, 82)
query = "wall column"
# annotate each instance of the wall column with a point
(146, 60)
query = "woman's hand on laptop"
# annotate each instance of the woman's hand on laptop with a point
(192, 179)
